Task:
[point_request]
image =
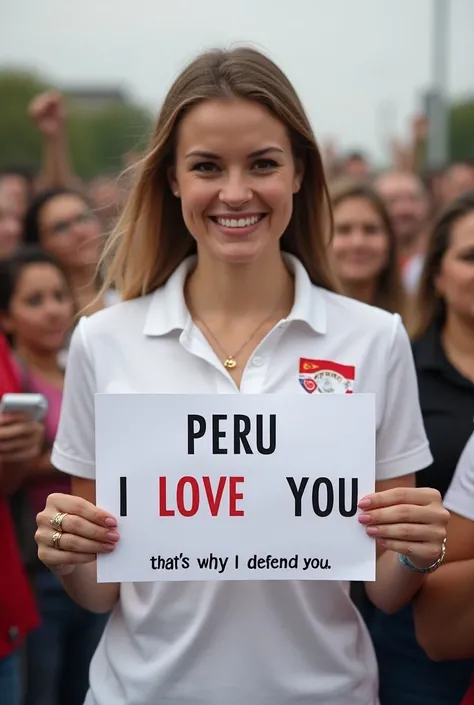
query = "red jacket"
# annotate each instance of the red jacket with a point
(469, 697)
(18, 613)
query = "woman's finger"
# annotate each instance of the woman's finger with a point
(63, 503)
(405, 514)
(70, 543)
(52, 557)
(400, 495)
(408, 532)
(73, 524)
(420, 552)
(16, 445)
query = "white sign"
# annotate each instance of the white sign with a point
(236, 487)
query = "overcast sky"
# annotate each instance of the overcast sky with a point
(359, 65)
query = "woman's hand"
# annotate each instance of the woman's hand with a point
(85, 530)
(21, 439)
(408, 520)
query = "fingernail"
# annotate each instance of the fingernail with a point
(365, 518)
(372, 530)
(112, 536)
(364, 503)
(110, 522)
(109, 546)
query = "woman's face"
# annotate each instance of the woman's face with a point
(236, 177)
(455, 281)
(70, 231)
(360, 247)
(41, 309)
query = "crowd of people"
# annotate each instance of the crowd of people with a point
(401, 244)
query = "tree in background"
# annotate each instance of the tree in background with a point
(98, 139)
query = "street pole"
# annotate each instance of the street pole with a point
(437, 98)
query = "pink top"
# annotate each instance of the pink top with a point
(39, 490)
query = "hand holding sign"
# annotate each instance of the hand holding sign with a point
(409, 520)
(85, 531)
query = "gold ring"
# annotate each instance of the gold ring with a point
(57, 520)
(56, 540)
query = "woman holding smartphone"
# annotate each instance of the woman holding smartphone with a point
(37, 309)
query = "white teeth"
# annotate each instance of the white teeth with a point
(240, 223)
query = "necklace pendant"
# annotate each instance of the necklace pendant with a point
(230, 363)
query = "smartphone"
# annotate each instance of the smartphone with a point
(35, 405)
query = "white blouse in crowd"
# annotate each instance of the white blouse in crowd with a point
(236, 643)
(460, 496)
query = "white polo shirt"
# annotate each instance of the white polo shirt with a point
(460, 496)
(236, 643)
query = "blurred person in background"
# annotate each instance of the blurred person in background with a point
(443, 345)
(364, 248)
(457, 179)
(62, 222)
(10, 225)
(21, 443)
(17, 186)
(36, 309)
(355, 166)
(444, 607)
(106, 195)
(408, 205)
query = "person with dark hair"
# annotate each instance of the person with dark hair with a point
(36, 310)
(62, 222)
(442, 330)
(17, 183)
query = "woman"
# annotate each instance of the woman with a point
(443, 333)
(221, 257)
(36, 308)
(364, 248)
(63, 224)
(444, 608)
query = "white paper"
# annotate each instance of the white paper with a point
(145, 437)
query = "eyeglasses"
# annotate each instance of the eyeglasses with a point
(63, 227)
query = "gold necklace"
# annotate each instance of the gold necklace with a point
(230, 362)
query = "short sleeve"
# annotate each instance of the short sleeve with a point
(74, 447)
(460, 496)
(402, 445)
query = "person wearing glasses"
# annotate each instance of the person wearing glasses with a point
(62, 223)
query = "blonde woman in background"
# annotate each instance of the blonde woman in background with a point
(364, 248)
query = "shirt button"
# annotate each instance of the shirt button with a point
(258, 361)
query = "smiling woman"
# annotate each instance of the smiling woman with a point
(222, 258)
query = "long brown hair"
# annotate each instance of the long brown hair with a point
(151, 238)
(430, 307)
(389, 293)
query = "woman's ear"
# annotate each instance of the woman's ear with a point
(6, 323)
(173, 182)
(299, 174)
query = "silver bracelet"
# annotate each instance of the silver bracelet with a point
(407, 562)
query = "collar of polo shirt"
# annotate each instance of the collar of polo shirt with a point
(168, 310)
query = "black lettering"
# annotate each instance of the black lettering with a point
(252, 562)
(342, 496)
(240, 434)
(153, 563)
(293, 562)
(194, 434)
(297, 492)
(325, 565)
(261, 563)
(123, 496)
(185, 563)
(217, 433)
(329, 499)
(271, 435)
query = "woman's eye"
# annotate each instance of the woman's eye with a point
(205, 167)
(265, 164)
(35, 300)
